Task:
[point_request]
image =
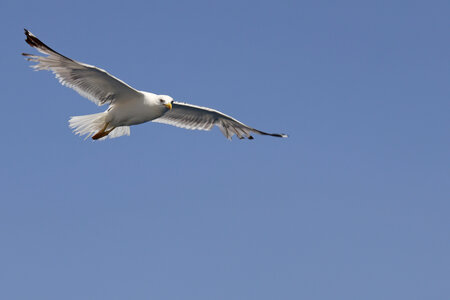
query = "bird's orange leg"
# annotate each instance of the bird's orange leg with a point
(103, 132)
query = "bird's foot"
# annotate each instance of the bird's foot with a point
(103, 132)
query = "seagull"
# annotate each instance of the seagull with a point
(127, 106)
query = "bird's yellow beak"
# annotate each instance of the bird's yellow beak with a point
(168, 105)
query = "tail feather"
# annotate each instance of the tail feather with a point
(90, 124)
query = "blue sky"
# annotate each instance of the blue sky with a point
(353, 205)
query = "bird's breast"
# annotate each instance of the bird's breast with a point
(133, 113)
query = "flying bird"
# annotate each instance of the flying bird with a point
(127, 106)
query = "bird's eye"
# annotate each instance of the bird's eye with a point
(161, 100)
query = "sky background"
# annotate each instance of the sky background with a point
(353, 205)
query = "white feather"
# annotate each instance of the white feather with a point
(90, 124)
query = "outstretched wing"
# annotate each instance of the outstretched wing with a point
(202, 118)
(89, 81)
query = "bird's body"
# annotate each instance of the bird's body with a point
(134, 111)
(127, 106)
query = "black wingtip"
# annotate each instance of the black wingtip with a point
(27, 32)
(31, 39)
(27, 56)
(280, 135)
(34, 42)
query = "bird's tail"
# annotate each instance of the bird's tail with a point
(91, 124)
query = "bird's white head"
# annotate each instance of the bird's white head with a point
(165, 100)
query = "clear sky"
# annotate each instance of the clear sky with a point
(353, 205)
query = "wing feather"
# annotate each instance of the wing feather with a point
(195, 117)
(89, 81)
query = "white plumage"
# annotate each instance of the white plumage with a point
(127, 106)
